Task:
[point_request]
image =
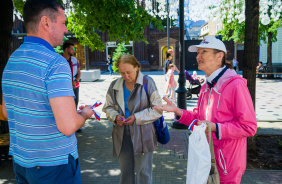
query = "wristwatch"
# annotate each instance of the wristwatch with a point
(76, 80)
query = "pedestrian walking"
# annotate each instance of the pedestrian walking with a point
(171, 61)
(110, 64)
(170, 84)
(38, 101)
(226, 104)
(127, 107)
(235, 63)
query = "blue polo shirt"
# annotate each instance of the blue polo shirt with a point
(34, 74)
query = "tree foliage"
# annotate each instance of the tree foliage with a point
(124, 20)
(120, 50)
(234, 24)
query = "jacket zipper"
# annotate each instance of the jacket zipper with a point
(208, 104)
(222, 164)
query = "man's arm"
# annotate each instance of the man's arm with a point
(78, 74)
(67, 119)
(4, 110)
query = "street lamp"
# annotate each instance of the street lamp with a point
(168, 25)
(181, 97)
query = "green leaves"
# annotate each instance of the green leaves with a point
(120, 50)
(122, 19)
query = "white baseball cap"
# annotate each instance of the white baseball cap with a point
(209, 42)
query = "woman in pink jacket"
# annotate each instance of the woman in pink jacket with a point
(226, 104)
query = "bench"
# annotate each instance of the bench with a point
(264, 74)
(276, 71)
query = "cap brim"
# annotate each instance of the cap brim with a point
(194, 48)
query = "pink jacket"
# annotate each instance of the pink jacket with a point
(228, 104)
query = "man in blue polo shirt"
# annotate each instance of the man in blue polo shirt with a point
(39, 101)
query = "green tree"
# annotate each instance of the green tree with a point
(123, 20)
(120, 50)
(233, 19)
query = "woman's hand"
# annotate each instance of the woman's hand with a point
(119, 119)
(169, 107)
(213, 125)
(130, 120)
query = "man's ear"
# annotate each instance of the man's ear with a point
(45, 22)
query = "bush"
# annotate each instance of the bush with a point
(120, 50)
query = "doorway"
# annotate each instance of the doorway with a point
(79, 54)
(164, 50)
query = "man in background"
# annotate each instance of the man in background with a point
(68, 49)
(235, 63)
(38, 101)
(110, 64)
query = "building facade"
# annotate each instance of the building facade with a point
(150, 56)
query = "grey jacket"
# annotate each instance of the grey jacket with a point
(143, 132)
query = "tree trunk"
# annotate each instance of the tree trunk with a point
(269, 56)
(6, 16)
(251, 52)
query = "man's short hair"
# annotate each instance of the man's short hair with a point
(167, 55)
(35, 9)
(67, 45)
(260, 62)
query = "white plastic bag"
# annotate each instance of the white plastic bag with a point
(199, 157)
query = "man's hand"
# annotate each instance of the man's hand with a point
(86, 111)
(74, 84)
(130, 120)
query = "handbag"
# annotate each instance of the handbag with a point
(162, 132)
(214, 175)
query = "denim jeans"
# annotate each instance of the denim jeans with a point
(110, 68)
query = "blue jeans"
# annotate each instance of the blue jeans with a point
(67, 173)
(110, 68)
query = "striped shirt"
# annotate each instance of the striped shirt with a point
(34, 74)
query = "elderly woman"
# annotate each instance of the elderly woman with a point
(127, 107)
(226, 104)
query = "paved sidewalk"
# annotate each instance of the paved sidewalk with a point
(170, 161)
(268, 94)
